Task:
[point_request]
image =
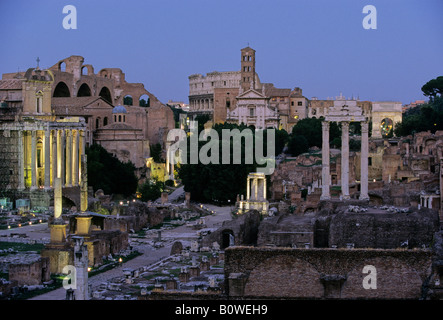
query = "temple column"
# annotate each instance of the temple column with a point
(47, 159)
(33, 159)
(75, 164)
(325, 173)
(345, 160)
(68, 158)
(364, 161)
(248, 189)
(255, 187)
(61, 157)
(21, 162)
(54, 157)
(264, 188)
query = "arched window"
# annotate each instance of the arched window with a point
(61, 90)
(97, 123)
(119, 118)
(105, 121)
(39, 102)
(84, 91)
(106, 94)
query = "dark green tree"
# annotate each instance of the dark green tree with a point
(107, 172)
(127, 101)
(156, 152)
(297, 145)
(151, 190)
(433, 87)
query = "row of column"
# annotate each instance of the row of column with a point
(258, 188)
(203, 104)
(62, 151)
(326, 177)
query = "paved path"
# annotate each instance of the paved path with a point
(149, 255)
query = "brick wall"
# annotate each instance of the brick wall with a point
(322, 273)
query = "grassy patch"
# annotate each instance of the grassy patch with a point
(17, 246)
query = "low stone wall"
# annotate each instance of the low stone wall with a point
(325, 273)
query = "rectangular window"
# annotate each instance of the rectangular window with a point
(292, 103)
(251, 112)
(300, 103)
(370, 161)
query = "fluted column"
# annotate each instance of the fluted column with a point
(325, 175)
(75, 164)
(33, 159)
(47, 159)
(68, 158)
(54, 157)
(345, 160)
(61, 157)
(21, 161)
(364, 161)
(82, 148)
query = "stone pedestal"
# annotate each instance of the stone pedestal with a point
(58, 233)
(171, 284)
(184, 276)
(194, 271)
(83, 225)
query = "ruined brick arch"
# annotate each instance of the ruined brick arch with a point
(89, 70)
(395, 279)
(61, 90)
(84, 91)
(105, 93)
(62, 66)
(284, 276)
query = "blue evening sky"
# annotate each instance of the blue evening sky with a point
(317, 45)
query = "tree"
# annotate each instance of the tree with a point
(144, 103)
(219, 182)
(428, 116)
(433, 87)
(281, 138)
(107, 172)
(156, 152)
(297, 145)
(151, 190)
(127, 101)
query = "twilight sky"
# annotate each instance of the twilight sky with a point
(317, 45)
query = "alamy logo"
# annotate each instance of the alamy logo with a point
(370, 281)
(370, 21)
(70, 281)
(70, 21)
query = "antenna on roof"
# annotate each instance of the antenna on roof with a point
(38, 63)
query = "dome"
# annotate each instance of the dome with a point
(119, 109)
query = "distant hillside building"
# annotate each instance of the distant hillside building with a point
(240, 97)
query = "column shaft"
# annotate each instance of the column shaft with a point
(248, 189)
(47, 159)
(75, 162)
(325, 173)
(68, 158)
(54, 156)
(364, 176)
(345, 160)
(33, 159)
(21, 162)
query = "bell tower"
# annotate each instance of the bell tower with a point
(247, 68)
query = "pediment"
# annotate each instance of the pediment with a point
(251, 94)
